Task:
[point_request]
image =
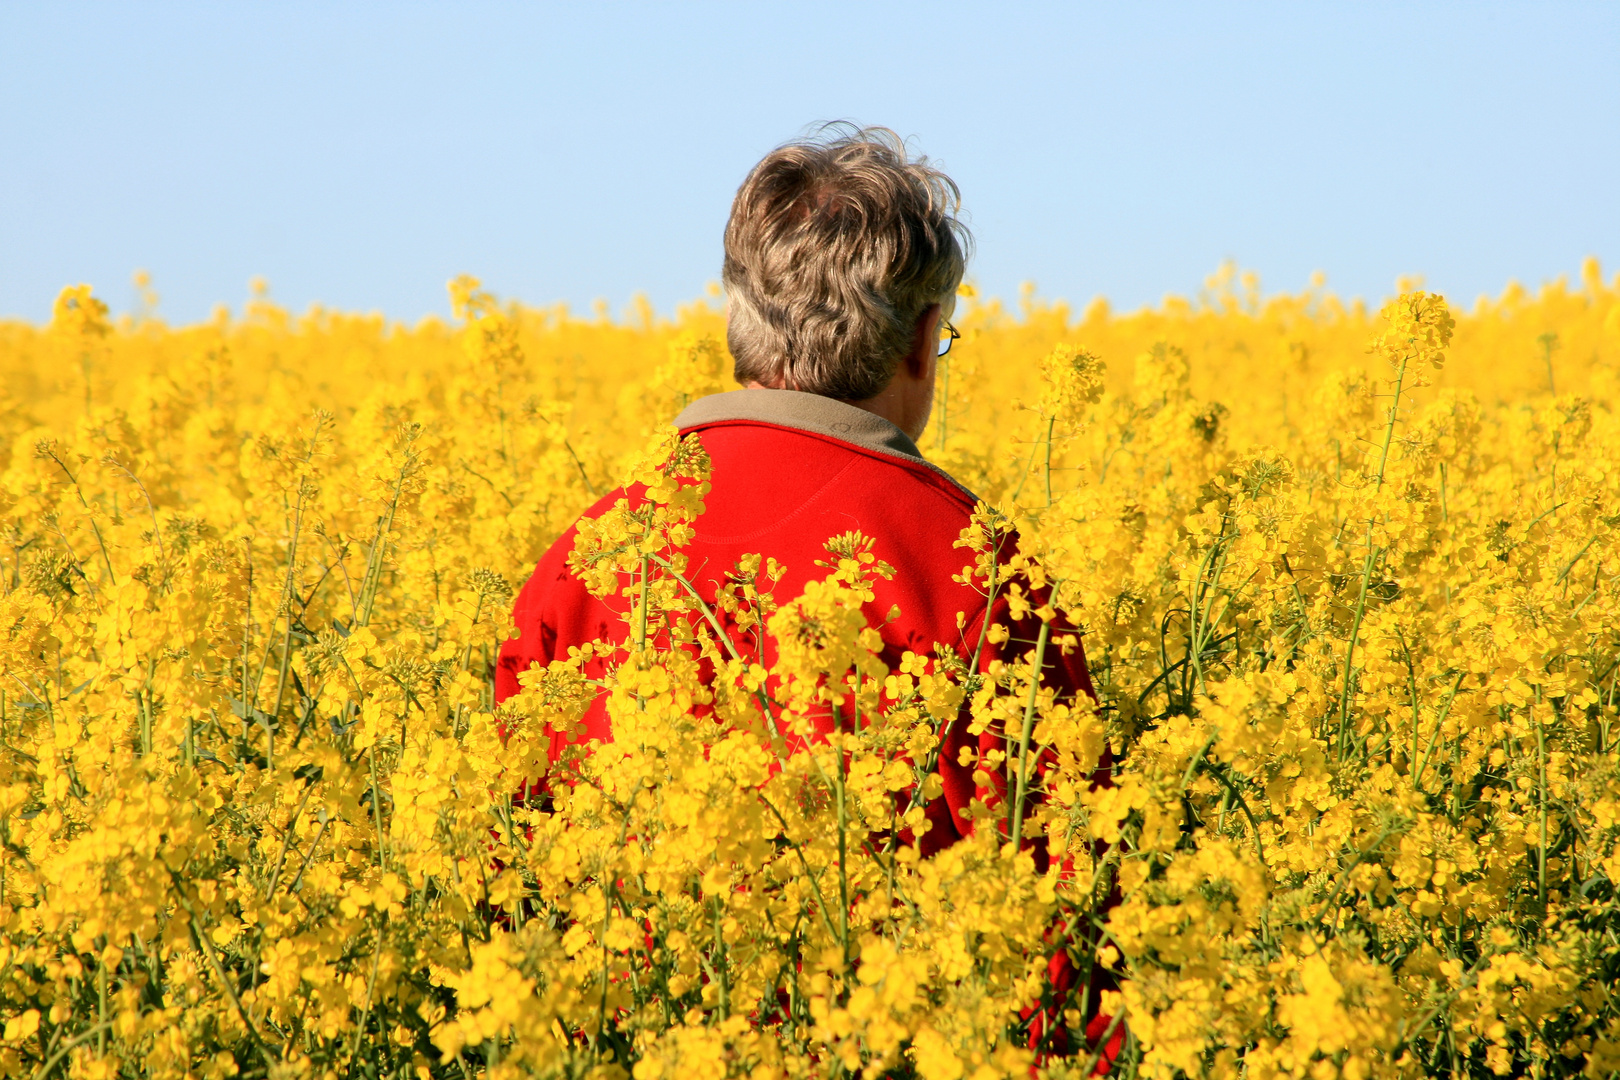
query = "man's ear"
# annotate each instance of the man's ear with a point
(924, 342)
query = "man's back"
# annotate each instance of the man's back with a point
(790, 471)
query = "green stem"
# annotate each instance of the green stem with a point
(839, 790)
(1102, 1045)
(1389, 428)
(101, 1008)
(1369, 562)
(1029, 464)
(1017, 809)
(379, 544)
(101, 543)
(286, 841)
(1202, 599)
(376, 806)
(641, 626)
(1355, 637)
(1439, 722)
(97, 1032)
(1541, 768)
(1051, 424)
(287, 594)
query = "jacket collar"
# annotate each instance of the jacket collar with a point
(809, 412)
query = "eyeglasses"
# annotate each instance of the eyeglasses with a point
(947, 334)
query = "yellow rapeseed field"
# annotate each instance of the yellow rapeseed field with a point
(1350, 591)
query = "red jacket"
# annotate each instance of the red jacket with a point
(789, 471)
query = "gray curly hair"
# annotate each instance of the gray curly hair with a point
(836, 246)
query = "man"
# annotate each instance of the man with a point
(842, 260)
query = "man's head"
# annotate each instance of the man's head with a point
(836, 249)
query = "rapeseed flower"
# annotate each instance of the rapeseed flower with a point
(1347, 583)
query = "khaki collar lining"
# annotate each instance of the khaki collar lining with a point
(813, 413)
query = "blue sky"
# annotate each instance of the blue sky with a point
(362, 154)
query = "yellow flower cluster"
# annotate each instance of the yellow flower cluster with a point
(1348, 584)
